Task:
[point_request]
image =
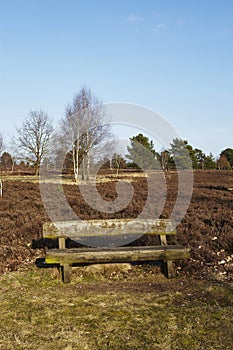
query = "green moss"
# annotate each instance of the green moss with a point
(38, 311)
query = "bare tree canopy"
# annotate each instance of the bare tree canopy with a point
(84, 128)
(33, 137)
(1, 144)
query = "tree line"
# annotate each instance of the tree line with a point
(84, 137)
(180, 155)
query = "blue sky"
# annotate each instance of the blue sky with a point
(175, 57)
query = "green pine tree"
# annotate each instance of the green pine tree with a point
(141, 152)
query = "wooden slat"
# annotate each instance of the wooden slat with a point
(111, 255)
(168, 269)
(66, 273)
(163, 240)
(61, 243)
(111, 227)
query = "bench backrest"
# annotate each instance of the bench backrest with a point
(109, 227)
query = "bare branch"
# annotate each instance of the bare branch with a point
(83, 129)
(33, 140)
(1, 144)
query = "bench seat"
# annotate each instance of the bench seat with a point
(115, 254)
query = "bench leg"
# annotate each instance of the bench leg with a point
(168, 269)
(66, 273)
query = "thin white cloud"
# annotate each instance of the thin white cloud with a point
(220, 130)
(180, 23)
(159, 27)
(134, 19)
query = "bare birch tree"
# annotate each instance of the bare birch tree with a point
(33, 138)
(85, 128)
(1, 144)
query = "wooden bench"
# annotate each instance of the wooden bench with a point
(122, 228)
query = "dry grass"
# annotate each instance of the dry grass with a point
(69, 180)
(139, 309)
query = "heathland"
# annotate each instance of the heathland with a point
(117, 307)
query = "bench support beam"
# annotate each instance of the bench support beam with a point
(66, 273)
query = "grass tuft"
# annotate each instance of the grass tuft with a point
(137, 310)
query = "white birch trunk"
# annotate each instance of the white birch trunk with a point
(1, 189)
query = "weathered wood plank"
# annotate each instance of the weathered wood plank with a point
(111, 227)
(66, 273)
(62, 243)
(168, 269)
(111, 255)
(163, 240)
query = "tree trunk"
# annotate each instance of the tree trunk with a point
(1, 188)
(37, 168)
(88, 166)
(76, 160)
